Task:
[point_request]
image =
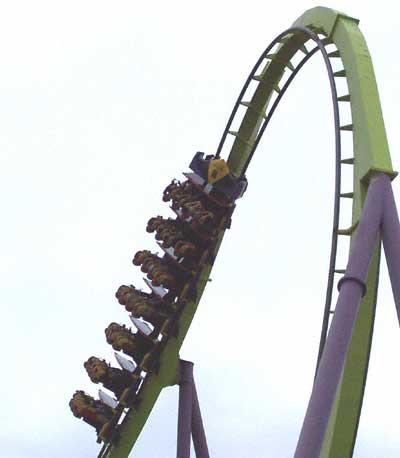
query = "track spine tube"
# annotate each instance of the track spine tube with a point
(371, 156)
(334, 354)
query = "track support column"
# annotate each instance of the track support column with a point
(190, 422)
(352, 287)
(185, 408)
(391, 245)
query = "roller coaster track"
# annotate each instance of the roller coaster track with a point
(338, 38)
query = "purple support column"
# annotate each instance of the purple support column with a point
(199, 436)
(185, 408)
(391, 244)
(352, 287)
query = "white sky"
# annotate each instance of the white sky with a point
(103, 103)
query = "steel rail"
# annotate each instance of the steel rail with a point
(372, 155)
(320, 46)
(336, 207)
(338, 157)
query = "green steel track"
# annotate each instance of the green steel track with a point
(370, 155)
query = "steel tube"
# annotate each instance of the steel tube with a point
(391, 244)
(351, 291)
(185, 409)
(198, 433)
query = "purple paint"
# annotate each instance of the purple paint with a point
(199, 436)
(185, 409)
(190, 422)
(351, 290)
(391, 244)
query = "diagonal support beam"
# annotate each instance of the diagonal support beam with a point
(391, 245)
(198, 433)
(352, 287)
(190, 423)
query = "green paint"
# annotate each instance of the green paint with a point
(269, 79)
(342, 428)
(167, 375)
(371, 154)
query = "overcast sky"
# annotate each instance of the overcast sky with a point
(102, 104)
